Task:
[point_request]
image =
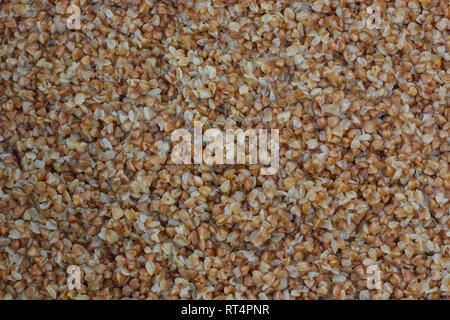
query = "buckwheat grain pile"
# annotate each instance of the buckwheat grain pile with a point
(358, 89)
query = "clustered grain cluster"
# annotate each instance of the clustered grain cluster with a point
(86, 177)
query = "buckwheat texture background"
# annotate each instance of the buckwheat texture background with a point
(360, 96)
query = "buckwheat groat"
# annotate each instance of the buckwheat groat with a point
(358, 209)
